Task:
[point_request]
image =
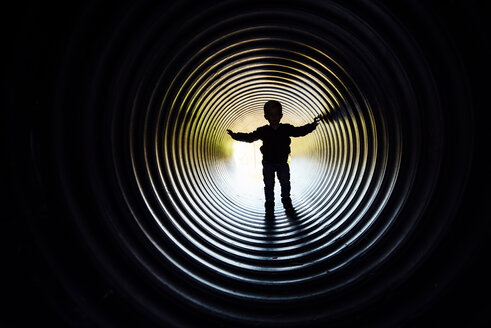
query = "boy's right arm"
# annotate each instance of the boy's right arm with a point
(246, 137)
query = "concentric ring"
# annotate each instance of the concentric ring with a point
(199, 205)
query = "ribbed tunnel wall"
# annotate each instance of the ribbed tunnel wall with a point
(199, 203)
(160, 214)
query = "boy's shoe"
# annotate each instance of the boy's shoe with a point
(287, 204)
(269, 206)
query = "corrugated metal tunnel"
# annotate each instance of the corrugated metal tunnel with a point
(164, 212)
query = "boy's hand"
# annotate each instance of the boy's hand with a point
(230, 133)
(321, 117)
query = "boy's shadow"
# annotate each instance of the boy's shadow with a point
(294, 221)
(292, 215)
(269, 226)
(270, 222)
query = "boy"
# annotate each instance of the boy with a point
(275, 150)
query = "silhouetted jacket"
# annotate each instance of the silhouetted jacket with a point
(276, 143)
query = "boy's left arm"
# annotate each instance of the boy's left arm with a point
(300, 131)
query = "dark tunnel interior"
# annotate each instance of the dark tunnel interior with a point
(127, 204)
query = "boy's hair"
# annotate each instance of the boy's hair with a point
(272, 104)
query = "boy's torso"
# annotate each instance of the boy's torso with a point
(276, 143)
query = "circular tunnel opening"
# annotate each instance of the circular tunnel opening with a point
(203, 191)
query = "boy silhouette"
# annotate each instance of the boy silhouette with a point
(275, 150)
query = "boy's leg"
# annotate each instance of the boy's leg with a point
(284, 177)
(268, 177)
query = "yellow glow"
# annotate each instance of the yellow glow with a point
(247, 158)
(247, 172)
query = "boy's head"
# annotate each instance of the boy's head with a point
(273, 112)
